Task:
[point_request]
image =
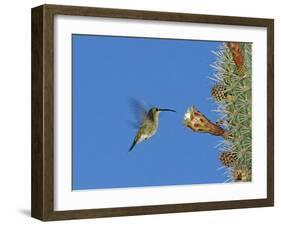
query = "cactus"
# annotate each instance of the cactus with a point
(241, 175)
(219, 93)
(228, 158)
(232, 71)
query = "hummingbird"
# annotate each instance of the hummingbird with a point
(148, 125)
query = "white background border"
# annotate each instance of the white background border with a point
(66, 199)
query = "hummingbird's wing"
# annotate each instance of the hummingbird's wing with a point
(139, 109)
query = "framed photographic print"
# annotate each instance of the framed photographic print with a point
(141, 112)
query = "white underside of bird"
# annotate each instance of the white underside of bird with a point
(146, 136)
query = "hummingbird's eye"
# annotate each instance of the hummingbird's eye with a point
(157, 109)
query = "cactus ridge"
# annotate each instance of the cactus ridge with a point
(236, 112)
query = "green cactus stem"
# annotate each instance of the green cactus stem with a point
(237, 113)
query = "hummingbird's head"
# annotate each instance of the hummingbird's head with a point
(158, 110)
(154, 112)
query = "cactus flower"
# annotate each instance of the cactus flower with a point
(198, 122)
(237, 56)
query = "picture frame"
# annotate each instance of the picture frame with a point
(43, 107)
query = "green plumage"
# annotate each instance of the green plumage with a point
(147, 128)
(149, 125)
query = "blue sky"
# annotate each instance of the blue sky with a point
(164, 73)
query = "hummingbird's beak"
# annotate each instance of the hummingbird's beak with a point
(165, 109)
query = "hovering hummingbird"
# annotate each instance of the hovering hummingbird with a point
(148, 123)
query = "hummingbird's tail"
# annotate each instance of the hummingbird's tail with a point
(133, 145)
